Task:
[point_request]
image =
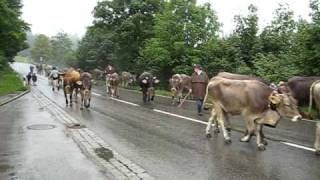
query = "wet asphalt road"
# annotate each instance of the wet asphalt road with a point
(39, 154)
(173, 148)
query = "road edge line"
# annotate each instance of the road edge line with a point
(14, 98)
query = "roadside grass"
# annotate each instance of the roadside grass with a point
(10, 82)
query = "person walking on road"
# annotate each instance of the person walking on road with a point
(54, 77)
(199, 80)
(34, 78)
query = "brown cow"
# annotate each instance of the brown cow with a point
(70, 80)
(178, 83)
(147, 82)
(112, 82)
(127, 78)
(254, 101)
(97, 74)
(85, 89)
(234, 76)
(299, 87)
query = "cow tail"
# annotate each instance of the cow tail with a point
(311, 96)
(205, 97)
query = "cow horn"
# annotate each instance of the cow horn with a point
(274, 99)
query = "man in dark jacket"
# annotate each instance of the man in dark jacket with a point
(199, 80)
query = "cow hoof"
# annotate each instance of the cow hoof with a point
(216, 131)
(81, 108)
(228, 129)
(317, 152)
(208, 135)
(264, 142)
(228, 141)
(245, 139)
(261, 147)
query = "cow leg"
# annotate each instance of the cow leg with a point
(264, 141)
(89, 101)
(179, 96)
(317, 141)
(118, 92)
(144, 96)
(221, 115)
(260, 145)
(172, 100)
(82, 99)
(76, 95)
(211, 119)
(250, 129)
(71, 97)
(66, 97)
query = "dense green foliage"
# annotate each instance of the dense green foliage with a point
(167, 37)
(56, 50)
(12, 30)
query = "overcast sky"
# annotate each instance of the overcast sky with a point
(73, 16)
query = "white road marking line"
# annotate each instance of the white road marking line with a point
(309, 120)
(298, 146)
(179, 116)
(96, 94)
(201, 122)
(126, 102)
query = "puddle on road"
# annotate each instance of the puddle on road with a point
(104, 153)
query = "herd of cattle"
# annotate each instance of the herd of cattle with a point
(256, 100)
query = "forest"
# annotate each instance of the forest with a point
(167, 37)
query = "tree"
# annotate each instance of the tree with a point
(180, 31)
(96, 49)
(309, 37)
(278, 57)
(41, 48)
(278, 37)
(126, 25)
(62, 52)
(247, 33)
(12, 30)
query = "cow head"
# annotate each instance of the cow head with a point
(285, 105)
(175, 83)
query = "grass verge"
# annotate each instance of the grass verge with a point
(10, 82)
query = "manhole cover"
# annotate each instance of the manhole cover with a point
(41, 126)
(76, 126)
